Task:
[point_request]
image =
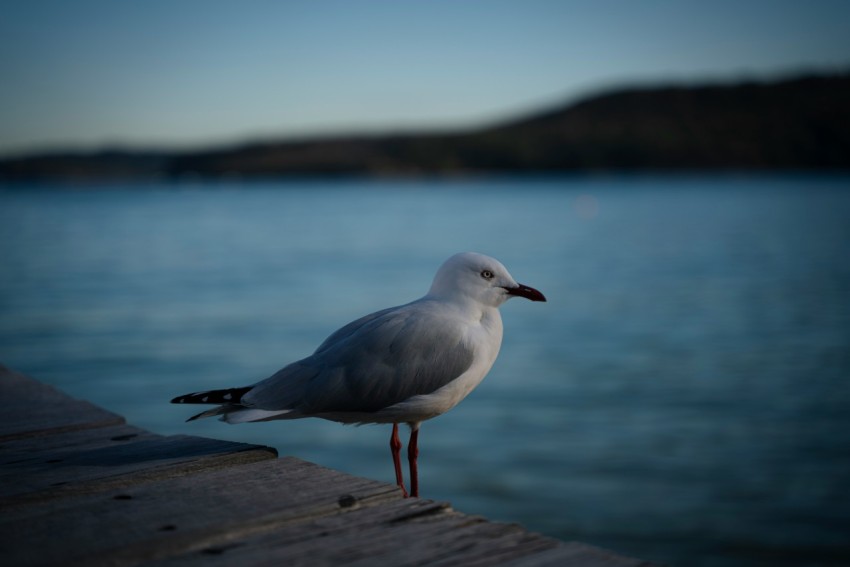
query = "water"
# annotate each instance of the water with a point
(682, 397)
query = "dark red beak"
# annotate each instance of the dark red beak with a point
(526, 292)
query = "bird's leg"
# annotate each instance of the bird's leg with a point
(412, 454)
(395, 447)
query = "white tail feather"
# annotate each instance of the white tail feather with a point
(246, 415)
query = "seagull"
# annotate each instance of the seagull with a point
(405, 364)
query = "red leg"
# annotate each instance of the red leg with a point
(395, 447)
(412, 454)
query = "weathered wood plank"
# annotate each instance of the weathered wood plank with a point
(80, 469)
(27, 462)
(408, 532)
(80, 487)
(34, 409)
(36, 447)
(404, 532)
(163, 518)
(316, 541)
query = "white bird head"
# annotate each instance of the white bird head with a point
(481, 278)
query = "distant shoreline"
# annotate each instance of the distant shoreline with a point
(486, 180)
(798, 124)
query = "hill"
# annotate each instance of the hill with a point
(801, 123)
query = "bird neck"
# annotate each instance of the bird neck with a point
(469, 309)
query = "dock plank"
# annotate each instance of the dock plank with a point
(30, 409)
(78, 486)
(389, 535)
(163, 518)
(333, 539)
(80, 469)
(37, 447)
(402, 532)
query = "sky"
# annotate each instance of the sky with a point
(92, 74)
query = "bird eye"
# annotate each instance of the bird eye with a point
(487, 274)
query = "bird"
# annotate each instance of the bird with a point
(405, 364)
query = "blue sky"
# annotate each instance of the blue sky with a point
(92, 73)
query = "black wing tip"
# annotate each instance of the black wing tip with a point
(194, 398)
(227, 396)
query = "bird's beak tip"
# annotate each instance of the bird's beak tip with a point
(527, 292)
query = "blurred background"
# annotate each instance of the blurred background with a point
(194, 194)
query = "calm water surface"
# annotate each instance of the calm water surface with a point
(682, 397)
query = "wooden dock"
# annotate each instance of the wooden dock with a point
(81, 487)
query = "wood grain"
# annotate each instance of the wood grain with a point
(78, 486)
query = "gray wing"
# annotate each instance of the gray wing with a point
(348, 330)
(370, 364)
